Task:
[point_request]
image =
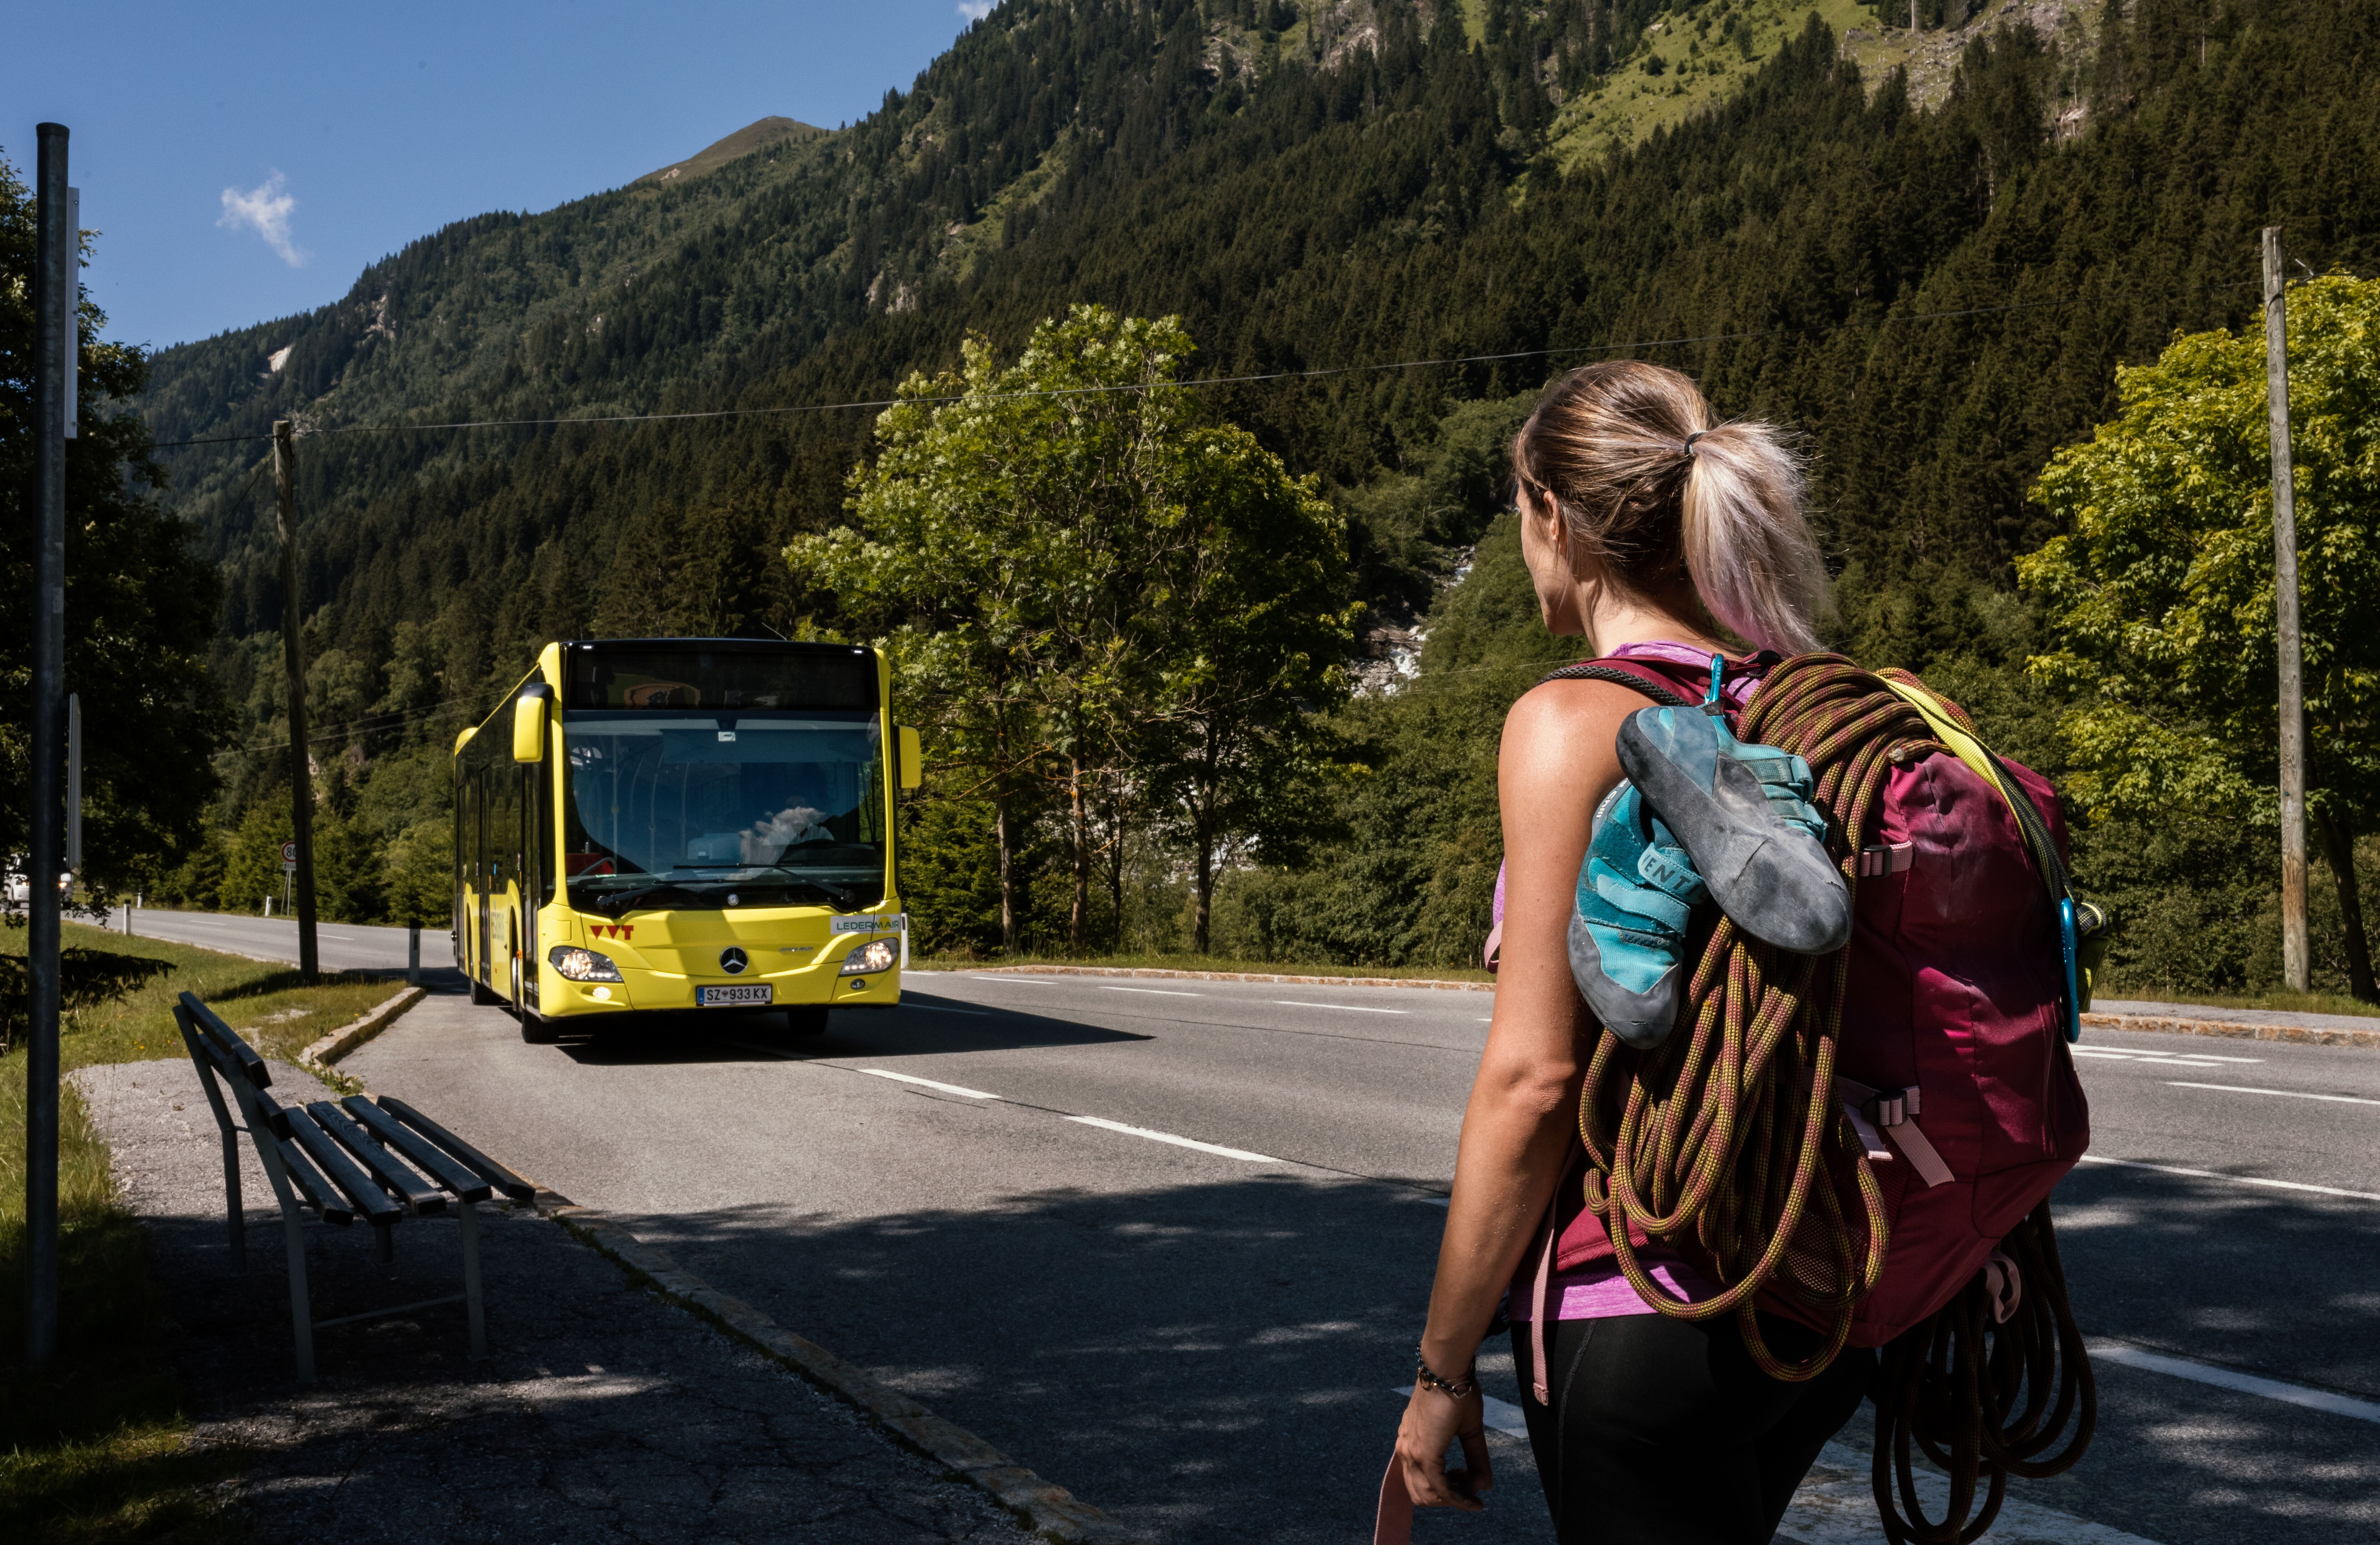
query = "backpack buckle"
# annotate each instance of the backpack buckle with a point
(1891, 1107)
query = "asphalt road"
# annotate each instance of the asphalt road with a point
(973, 1195)
(340, 947)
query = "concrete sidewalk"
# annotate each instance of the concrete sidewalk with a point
(603, 1413)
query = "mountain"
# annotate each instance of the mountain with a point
(1928, 250)
(750, 140)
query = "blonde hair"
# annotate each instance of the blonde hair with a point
(1651, 486)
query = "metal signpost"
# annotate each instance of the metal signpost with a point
(288, 870)
(56, 292)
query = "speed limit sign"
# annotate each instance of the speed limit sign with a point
(289, 858)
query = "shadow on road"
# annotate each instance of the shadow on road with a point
(1206, 1362)
(921, 1025)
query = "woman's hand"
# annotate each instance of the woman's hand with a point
(1432, 1418)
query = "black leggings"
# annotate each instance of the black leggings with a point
(1663, 1432)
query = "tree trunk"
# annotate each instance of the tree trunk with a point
(2338, 849)
(1205, 881)
(1080, 916)
(1115, 871)
(1007, 873)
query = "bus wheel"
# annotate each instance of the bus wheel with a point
(481, 994)
(806, 1019)
(537, 1029)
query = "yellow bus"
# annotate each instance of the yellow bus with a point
(661, 824)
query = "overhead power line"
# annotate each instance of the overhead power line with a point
(1258, 378)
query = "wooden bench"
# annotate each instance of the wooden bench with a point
(378, 1161)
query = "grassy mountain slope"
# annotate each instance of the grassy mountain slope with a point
(750, 140)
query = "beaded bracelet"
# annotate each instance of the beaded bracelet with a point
(1459, 1389)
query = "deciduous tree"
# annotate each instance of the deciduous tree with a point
(2161, 599)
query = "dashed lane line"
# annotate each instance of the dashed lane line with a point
(1102, 1123)
(2285, 1094)
(2235, 1179)
(926, 1083)
(1351, 1008)
(2232, 1379)
(1106, 1126)
(1152, 991)
(937, 1008)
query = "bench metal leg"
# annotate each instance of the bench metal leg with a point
(234, 1216)
(473, 1303)
(301, 1309)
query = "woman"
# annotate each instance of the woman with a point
(1647, 526)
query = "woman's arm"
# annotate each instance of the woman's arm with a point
(1558, 760)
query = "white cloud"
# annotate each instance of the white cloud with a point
(265, 208)
(976, 10)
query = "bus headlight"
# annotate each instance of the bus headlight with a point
(579, 965)
(876, 955)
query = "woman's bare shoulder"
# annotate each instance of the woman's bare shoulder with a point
(1564, 711)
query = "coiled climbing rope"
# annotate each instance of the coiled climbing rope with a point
(1727, 1141)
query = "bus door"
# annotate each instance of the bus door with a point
(530, 867)
(485, 871)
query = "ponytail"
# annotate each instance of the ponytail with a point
(1652, 489)
(1746, 545)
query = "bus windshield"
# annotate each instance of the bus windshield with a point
(724, 810)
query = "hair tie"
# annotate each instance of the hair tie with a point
(1689, 446)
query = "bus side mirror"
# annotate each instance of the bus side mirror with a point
(913, 760)
(529, 725)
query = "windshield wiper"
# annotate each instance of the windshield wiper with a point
(835, 894)
(620, 901)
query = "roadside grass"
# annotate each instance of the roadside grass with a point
(93, 1449)
(1204, 963)
(2285, 1003)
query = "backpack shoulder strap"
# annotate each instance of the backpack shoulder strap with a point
(1619, 675)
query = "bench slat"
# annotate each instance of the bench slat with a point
(312, 1186)
(226, 1041)
(370, 1201)
(391, 1172)
(456, 1177)
(486, 1168)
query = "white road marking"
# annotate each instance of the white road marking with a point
(2167, 1059)
(1502, 1414)
(937, 1008)
(1351, 1008)
(1105, 1125)
(2288, 1094)
(2229, 1379)
(1837, 1506)
(1157, 992)
(1440, 1201)
(2235, 1179)
(928, 1083)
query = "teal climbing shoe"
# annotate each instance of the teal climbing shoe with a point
(1637, 894)
(1744, 814)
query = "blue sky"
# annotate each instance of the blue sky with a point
(243, 162)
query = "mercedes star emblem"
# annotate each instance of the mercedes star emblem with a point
(732, 961)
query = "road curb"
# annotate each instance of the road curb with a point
(1431, 982)
(2235, 1029)
(347, 1037)
(1048, 1510)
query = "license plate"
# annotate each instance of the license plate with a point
(726, 997)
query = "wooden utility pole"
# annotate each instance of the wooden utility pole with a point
(2296, 965)
(293, 655)
(57, 288)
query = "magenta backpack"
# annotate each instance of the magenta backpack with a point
(1953, 1067)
